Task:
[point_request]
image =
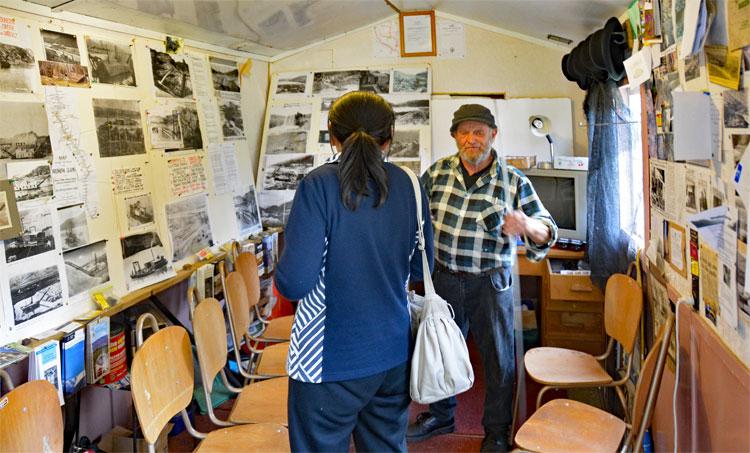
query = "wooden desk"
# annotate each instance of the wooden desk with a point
(572, 307)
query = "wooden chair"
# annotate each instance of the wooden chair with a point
(567, 368)
(265, 363)
(6, 381)
(273, 330)
(264, 401)
(564, 425)
(162, 386)
(31, 419)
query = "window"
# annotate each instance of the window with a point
(631, 173)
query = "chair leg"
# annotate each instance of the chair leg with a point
(541, 394)
(623, 403)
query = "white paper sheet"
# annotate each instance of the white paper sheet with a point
(385, 40)
(692, 126)
(127, 180)
(638, 67)
(199, 72)
(187, 175)
(451, 39)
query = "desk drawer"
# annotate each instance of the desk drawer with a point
(573, 287)
(585, 306)
(587, 326)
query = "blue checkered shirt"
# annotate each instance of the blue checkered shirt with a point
(467, 223)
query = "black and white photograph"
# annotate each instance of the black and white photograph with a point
(139, 211)
(667, 27)
(189, 226)
(657, 187)
(74, 228)
(288, 126)
(189, 126)
(225, 75)
(64, 74)
(232, 126)
(36, 234)
(110, 62)
(413, 165)
(692, 67)
(144, 260)
(411, 112)
(740, 144)
(292, 84)
(61, 47)
(31, 180)
(118, 127)
(247, 213)
(405, 144)
(410, 80)
(375, 81)
(34, 292)
(275, 207)
(86, 267)
(16, 69)
(171, 75)
(335, 83)
(735, 109)
(284, 172)
(24, 132)
(164, 127)
(10, 221)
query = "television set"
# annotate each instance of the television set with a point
(563, 193)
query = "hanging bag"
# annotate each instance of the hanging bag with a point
(440, 366)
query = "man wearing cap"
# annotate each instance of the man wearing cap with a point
(473, 263)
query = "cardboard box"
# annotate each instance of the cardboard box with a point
(120, 439)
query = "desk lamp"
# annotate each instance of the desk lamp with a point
(540, 126)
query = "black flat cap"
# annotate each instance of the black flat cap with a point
(472, 112)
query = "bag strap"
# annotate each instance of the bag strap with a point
(429, 288)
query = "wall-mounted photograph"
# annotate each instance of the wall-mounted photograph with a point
(36, 234)
(410, 81)
(24, 132)
(246, 212)
(34, 292)
(16, 69)
(284, 172)
(171, 75)
(118, 127)
(232, 126)
(31, 180)
(110, 62)
(144, 260)
(86, 267)
(288, 126)
(74, 229)
(61, 47)
(64, 74)
(225, 75)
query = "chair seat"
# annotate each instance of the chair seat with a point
(279, 328)
(564, 425)
(559, 366)
(273, 360)
(258, 437)
(264, 401)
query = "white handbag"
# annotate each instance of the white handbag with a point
(440, 366)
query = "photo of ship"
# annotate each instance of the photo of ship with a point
(35, 293)
(144, 261)
(36, 234)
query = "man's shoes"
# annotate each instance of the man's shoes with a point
(494, 444)
(427, 426)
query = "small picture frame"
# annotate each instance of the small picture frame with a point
(417, 29)
(10, 223)
(676, 248)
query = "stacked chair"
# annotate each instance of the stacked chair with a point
(162, 386)
(564, 425)
(557, 368)
(30, 417)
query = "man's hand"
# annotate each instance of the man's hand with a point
(517, 223)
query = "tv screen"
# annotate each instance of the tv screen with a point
(558, 195)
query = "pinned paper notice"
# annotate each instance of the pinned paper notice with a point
(638, 67)
(742, 177)
(692, 125)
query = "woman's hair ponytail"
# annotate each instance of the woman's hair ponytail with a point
(362, 122)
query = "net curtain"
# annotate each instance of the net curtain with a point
(609, 249)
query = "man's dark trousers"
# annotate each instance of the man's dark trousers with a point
(483, 305)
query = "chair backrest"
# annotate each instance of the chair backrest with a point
(31, 418)
(623, 306)
(248, 267)
(649, 381)
(162, 379)
(210, 339)
(236, 296)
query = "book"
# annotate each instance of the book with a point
(12, 353)
(44, 363)
(73, 361)
(97, 349)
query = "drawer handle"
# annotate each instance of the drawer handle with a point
(578, 288)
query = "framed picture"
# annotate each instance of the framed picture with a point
(417, 33)
(10, 223)
(676, 248)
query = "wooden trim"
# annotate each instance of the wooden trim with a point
(431, 15)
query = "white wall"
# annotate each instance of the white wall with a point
(494, 63)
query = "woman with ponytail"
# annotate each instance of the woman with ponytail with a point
(349, 254)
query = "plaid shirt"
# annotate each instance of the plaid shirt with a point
(467, 223)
